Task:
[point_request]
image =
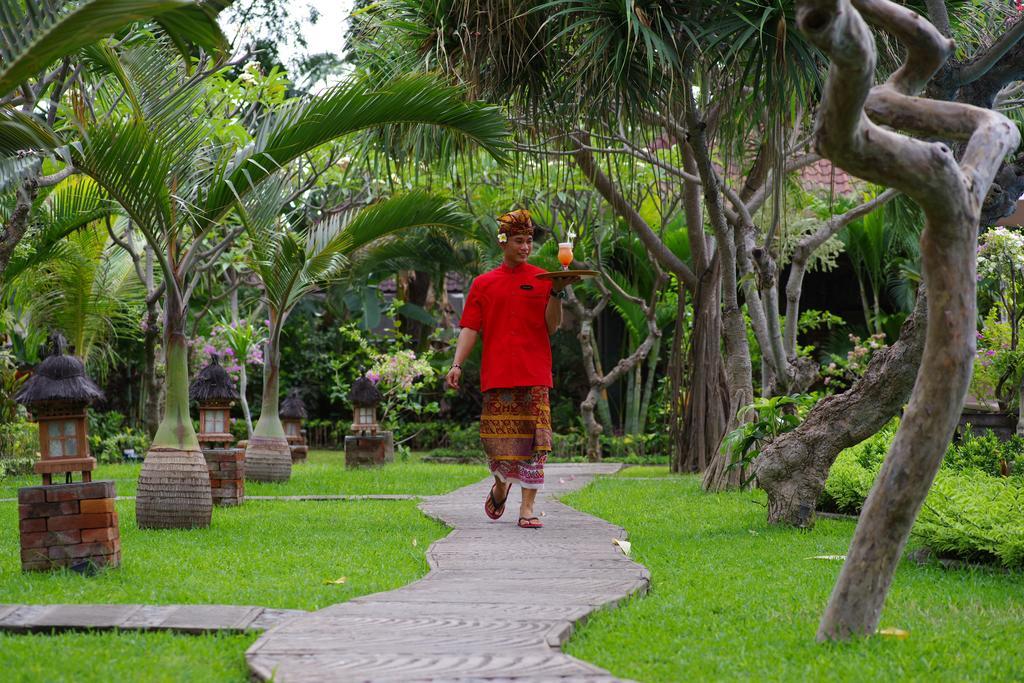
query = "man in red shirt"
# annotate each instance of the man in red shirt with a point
(516, 313)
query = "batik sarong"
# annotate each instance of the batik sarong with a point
(515, 428)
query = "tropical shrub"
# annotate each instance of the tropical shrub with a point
(19, 447)
(457, 454)
(971, 513)
(975, 517)
(129, 444)
(762, 421)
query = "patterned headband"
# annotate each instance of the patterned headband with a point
(515, 223)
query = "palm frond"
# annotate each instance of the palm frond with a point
(347, 108)
(20, 131)
(132, 166)
(36, 34)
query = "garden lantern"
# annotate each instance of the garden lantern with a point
(293, 412)
(215, 393)
(57, 394)
(365, 397)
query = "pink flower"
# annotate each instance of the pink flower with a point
(373, 376)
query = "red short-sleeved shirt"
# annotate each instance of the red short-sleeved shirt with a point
(506, 306)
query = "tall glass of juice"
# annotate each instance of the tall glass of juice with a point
(565, 254)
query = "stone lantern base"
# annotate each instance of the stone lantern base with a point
(300, 452)
(365, 451)
(227, 475)
(68, 525)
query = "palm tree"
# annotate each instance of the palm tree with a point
(38, 42)
(90, 294)
(290, 264)
(164, 164)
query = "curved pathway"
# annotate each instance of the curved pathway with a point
(498, 602)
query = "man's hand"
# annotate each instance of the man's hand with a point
(453, 377)
(561, 283)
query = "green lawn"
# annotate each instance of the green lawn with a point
(733, 599)
(267, 553)
(126, 656)
(323, 474)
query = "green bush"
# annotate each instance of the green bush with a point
(472, 455)
(985, 453)
(848, 483)
(111, 450)
(975, 517)
(424, 436)
(464, 438)
(19, 447)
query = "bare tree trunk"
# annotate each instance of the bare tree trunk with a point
(707, 406)
(152, 383)
(721, 475)
(951, 195)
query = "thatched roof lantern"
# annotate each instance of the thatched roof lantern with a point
(293, 408)
(214, 391)
(364, 393)
(213, 385)
(60, 378)
(293, 412)
(365, 397)
(57, 393)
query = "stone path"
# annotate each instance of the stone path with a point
(498, 602)
(181, 618)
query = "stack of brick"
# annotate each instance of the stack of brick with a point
(65, 525)
(227, 475)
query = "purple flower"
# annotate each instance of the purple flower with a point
(229, 351)
(373, 376)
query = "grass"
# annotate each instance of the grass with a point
(124, 656)
(323, 474)
(733, 599)
(645, 471)
(267, 553)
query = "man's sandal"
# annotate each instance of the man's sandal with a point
(529, 523)
(491, 507)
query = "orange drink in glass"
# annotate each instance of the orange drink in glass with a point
(565, 254)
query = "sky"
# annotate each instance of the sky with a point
(326, 35)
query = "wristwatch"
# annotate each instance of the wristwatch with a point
(456, 365)
(559, 294)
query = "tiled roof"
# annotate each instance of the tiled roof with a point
(819, 176)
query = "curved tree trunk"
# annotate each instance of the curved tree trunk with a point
(267, 455)
(793, 468)
(951, 194)
(174, 484)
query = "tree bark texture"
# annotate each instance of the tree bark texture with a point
(706, 404)
(174, 483)
(721, 474)
(951, 196)
(793, 468)
(267, 454)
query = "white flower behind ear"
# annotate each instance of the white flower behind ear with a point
(502, 238)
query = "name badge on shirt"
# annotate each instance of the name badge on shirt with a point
(525, 286)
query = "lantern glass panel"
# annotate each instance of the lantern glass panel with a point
(291, 429)
(63, 438)
(215, 421)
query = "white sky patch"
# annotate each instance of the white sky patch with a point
(326, 35)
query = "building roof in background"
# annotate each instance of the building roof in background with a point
(822, 175)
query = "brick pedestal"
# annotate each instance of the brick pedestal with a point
(227, 475)
(68, 525)
(299, 452)
(365, 451)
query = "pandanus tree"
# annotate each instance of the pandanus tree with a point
(158, 156)
(292, 263)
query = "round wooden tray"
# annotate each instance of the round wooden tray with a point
(559, 274)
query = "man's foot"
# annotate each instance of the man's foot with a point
(492, 507)
(529, 523)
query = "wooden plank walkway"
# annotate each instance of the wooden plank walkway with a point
(180, 618)
(498, 602)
